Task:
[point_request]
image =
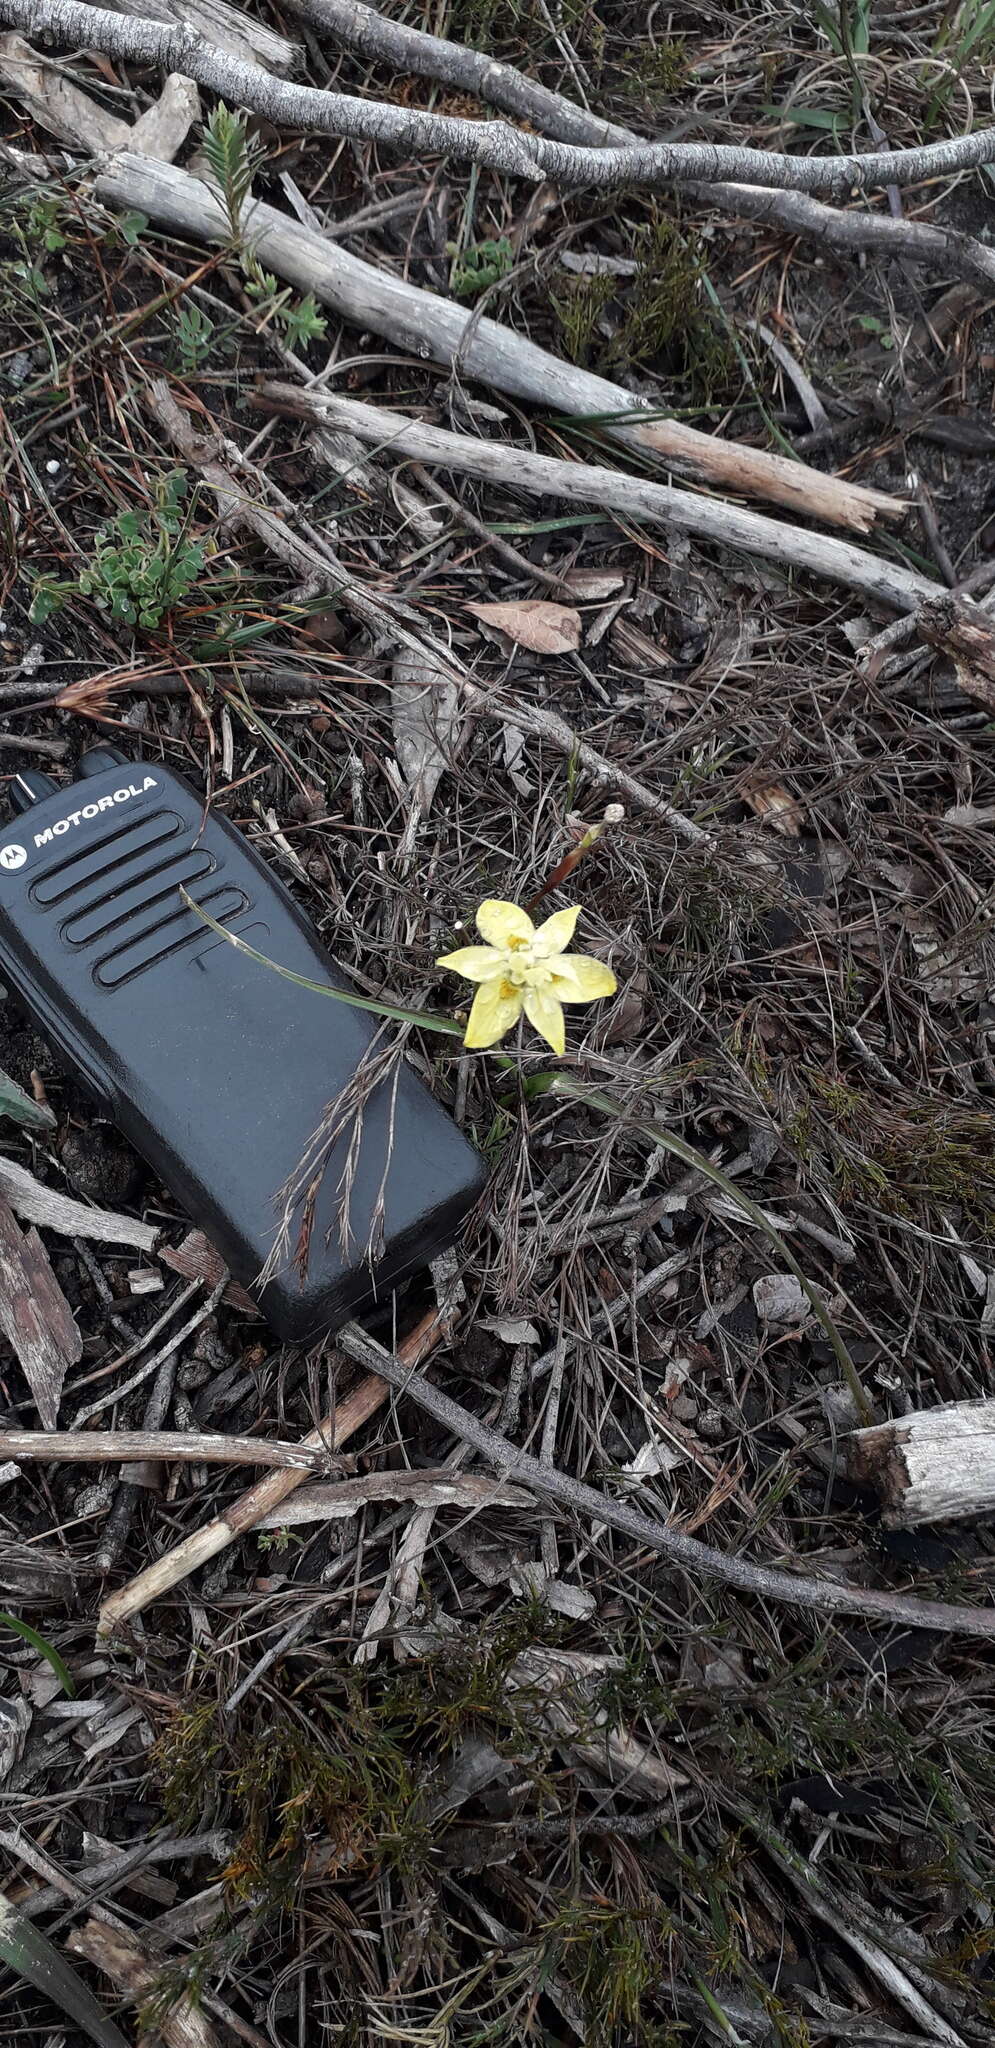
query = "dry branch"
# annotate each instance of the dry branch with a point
(934, 1466)
(170, 1446)
(230, 31)
(431, 661)
(699, 1560)
(262, 1499)
(439, 329)
(590, 484)
(369, 34)
(424, 1489)
(491, 144)
(38, 1204)
(964, 633)
(942, 249)
(125, 1961)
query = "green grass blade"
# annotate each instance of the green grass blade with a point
(21, 1108)
(24, 1948)
(44, 1649)
(427, 1020)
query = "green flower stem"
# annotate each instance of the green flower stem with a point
(576, 1091)
(427, 1020)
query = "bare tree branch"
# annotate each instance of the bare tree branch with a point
(491, 144)
(698, 1559)
(588, 483)
(370, 34)
(438, 328)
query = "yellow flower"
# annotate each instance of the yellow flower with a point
(521, 968)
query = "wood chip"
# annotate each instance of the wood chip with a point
(122, 1959)
(196, 1259)
(772, 803)
(35, 1316)
(38, 1204)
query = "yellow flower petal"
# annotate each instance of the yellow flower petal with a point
(475, 963)
(583, 979)
(503, 924)
(496, 1007)
(557, 931)
(543, 1010)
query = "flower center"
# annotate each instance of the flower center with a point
(524, 968)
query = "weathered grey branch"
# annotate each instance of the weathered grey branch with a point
(437, 328)
(370, 34)
(796, 213)
(935, 1466)
(589, 484)
(491, 144)
(227, 28)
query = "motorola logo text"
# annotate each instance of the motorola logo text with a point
(104, 803)
(12, 857)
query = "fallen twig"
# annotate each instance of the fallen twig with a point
(592, 484)
(332, 1432)
(169, 1446)
(425, 1489)
(38, 1204)
(491, 144)
(798, 214)
(440, 329)
(431, 661)
(937, 1465)
(966, 633)
(35, 1316)
(370, 34)
(698, 1559)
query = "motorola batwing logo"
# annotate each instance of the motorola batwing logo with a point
(12, 857)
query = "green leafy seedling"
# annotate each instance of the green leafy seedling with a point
(193, 332)
(479, 266)
(144, 563)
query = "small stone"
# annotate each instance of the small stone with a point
(780, 1299)
(101, 1165)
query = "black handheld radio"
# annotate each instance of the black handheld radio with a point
(217, 1069)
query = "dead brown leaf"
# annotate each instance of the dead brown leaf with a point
(773, 804)
(534, 622)
(594, 586)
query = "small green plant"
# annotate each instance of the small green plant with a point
(477, 267)
(50, 594)
(45, 220)
(299, 321)
(663, 68)
(144, 563)
(663, 312)
(872, 325)
(233, 158)
(193, 334)
(580, 307)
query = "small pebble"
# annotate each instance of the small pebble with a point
(101, 1165)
